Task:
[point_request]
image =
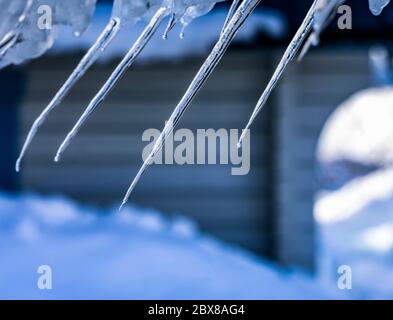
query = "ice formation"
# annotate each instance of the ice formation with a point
(290, 53)
(131, 11)
(21, 36)
(12, 15)
(317, 19)
(179, 10)
(376, 6)
(235, 4)
(124, 12)
(235, 22)
(326, 11)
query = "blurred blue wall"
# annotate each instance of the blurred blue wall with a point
(12, 85)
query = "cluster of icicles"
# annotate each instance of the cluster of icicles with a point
(23, 41)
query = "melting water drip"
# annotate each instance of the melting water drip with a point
(288, 56)
(171, 23)
(124, 65)
(241, 14)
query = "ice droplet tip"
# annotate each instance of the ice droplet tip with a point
(17, 165)
(122, 206)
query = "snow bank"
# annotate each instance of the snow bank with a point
(356, 224)
(135, 254)
(360, 130)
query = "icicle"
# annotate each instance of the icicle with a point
(182, 31)
(231, 12)
(116, 75)
(7, 43)
(288, 56)
(241, 14)
(91, 56)
(312, 41)
(171, 24)
(326, 12)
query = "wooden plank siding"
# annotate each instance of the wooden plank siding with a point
(103, 159)
(307, 96)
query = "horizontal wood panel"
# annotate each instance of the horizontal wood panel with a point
(112, 148)
(139, 117)
(97, 178)
(103, 159)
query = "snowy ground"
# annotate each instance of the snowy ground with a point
(135, 254)
(140, 254)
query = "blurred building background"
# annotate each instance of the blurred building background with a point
(270, 210)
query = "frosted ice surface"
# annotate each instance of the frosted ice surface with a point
(13, 15)
(132, 11)
(30, 41)
(73, 13)
(376, 6)
(194, 9)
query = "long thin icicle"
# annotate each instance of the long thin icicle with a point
(116, 75)
(87, 61)
(241, 14)
(288, 56)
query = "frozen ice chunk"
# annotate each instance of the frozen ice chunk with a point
(186, 11)
(28, 39)
(73, 13)
(376, 6)
(130, 12)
